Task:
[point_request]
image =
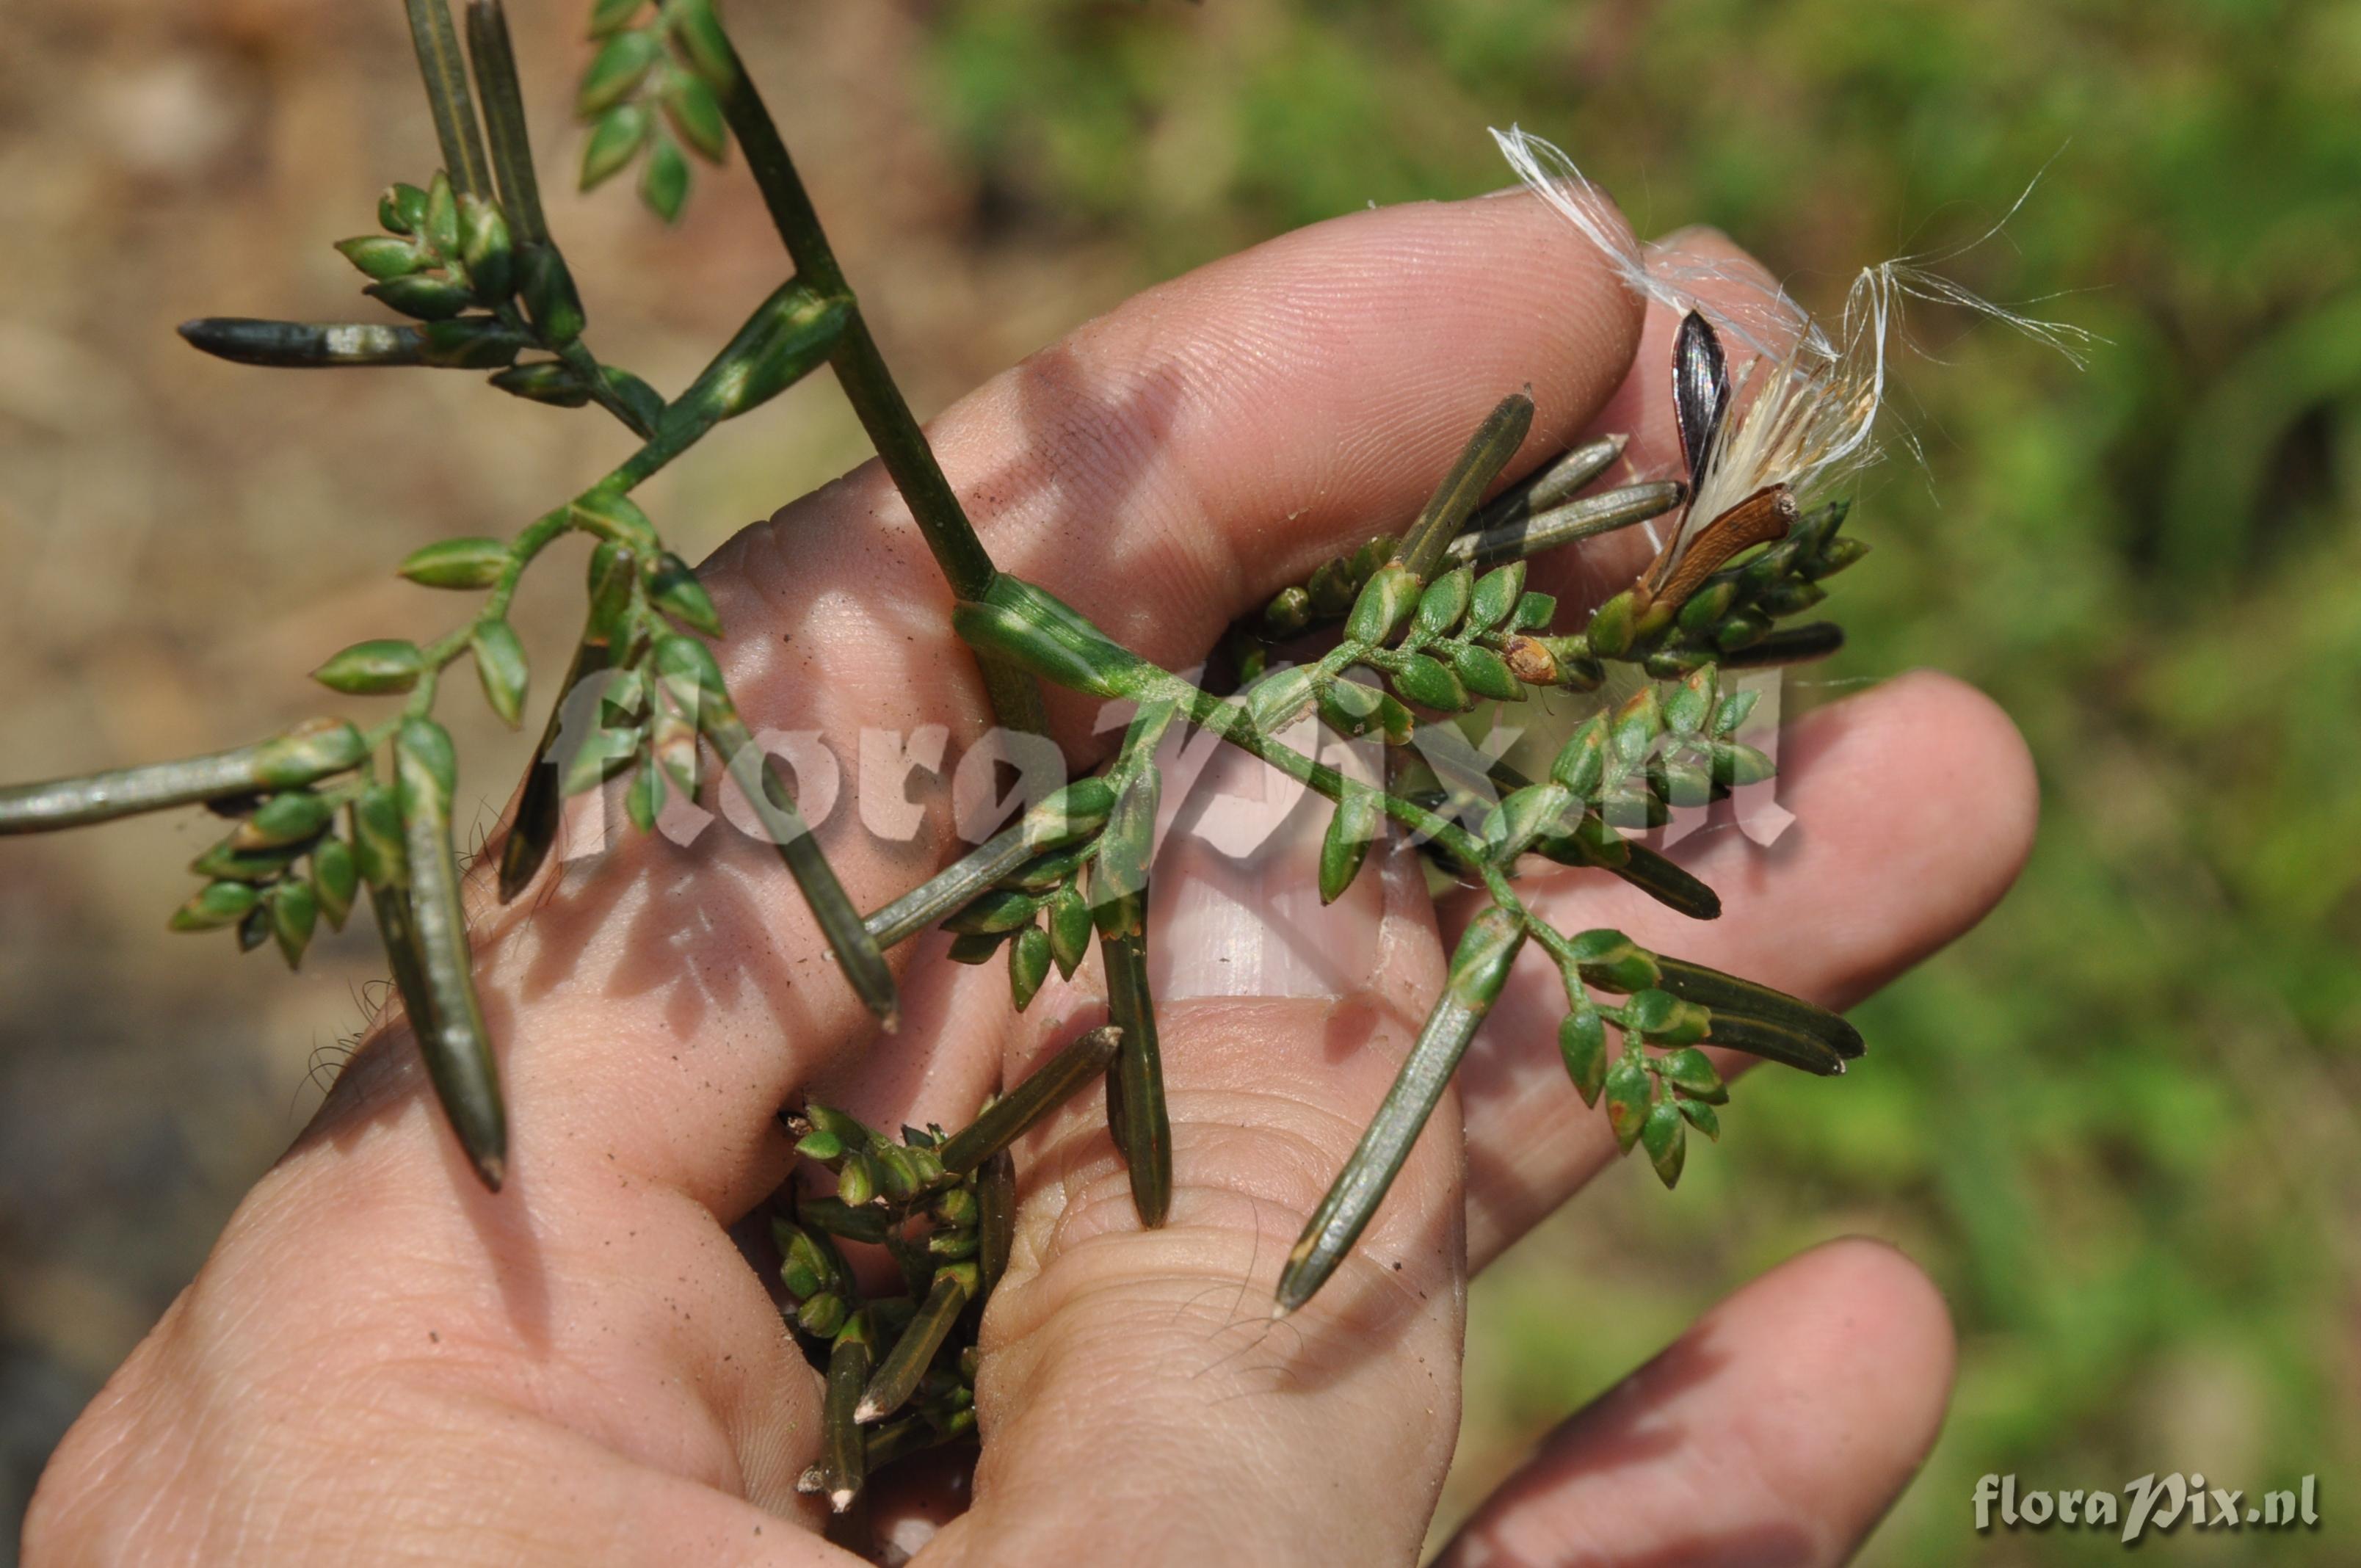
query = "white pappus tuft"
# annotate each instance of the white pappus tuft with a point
(1804, 413)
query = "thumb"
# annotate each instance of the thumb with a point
(1139, 1402)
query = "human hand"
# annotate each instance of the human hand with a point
(381, 1361)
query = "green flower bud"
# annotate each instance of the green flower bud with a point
(1429, 683)
(428, 298)
(676, 591)
(1581, 763)
(1691, 703)
(1358, 820)
(1611, 961)
(1706, 608)
(1612, 625)
(1331, 590)
(645, 402)
(618, 67)
(1486, 673)
(402, 209)
(700, 37)
(373, 668)
(1837, 554)
(1690, 1070)
(382, 257)
(1740, 630)
(486, 247)
(1636, 724)
(615, 139)
(1701, 1116)
(1736, 765)
(1627, 1100)
(822, 1315)
(1665, 1137)
(1533, 612)
(1288, 613)
(335, 879)
(1072, 812)
(1446, 602)
(311, 749)
(501, 667)
(1070, 929)
(1349, 708)
(1028, 965)
(1497, 595)
(994, 911)
(1033, 630)
(294, 915)
(1582, 1041)
(378, 853)
(292, 817)
(1480, 965)
(976, 948)
(457, 564)
(547, 291)
(440, 225)
(1526, 812)
(547, 382)
(695, 114)
(1790, 597)
(227, 861)
(1389, 595)
(216, 905)
(1276, 698)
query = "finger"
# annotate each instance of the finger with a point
(1778, 1430)
(1914, 808)
(1138, 1403)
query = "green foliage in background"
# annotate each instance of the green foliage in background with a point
(2117, 1123)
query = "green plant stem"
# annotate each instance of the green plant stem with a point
(453, 106)
(1229, 721)
(869, 387)
(494, 57)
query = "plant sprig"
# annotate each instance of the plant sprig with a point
(901, 1364)
(1434, 620)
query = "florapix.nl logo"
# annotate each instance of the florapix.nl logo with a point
(2158, 1504)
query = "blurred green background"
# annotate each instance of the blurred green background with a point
(2116, 1124)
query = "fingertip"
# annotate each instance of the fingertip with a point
(1880, 1323)
(1969, 798)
